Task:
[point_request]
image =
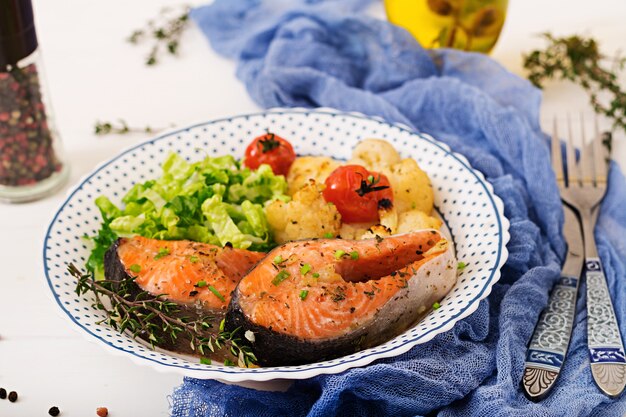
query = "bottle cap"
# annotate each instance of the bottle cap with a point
(17, 31)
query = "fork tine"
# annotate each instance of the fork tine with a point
(557, 159)
(586, 160)
(599, 156)
(572, 167)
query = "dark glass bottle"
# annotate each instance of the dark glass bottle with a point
(31, 158)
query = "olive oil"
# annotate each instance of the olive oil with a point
(471, 25)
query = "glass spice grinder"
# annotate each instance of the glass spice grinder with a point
(31, 158)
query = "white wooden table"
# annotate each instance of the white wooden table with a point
(94, 74)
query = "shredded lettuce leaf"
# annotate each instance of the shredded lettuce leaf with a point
(214, 200)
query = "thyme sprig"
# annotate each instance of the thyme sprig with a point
(579, 60)
(155, 319)
(165, 34)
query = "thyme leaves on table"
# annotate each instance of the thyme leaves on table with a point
(121, 128)
(155, 319)
(164, 33)
(580, 61)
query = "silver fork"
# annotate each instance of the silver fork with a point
(583, 191)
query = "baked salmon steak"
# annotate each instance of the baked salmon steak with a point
(199, 277)
(315, 300)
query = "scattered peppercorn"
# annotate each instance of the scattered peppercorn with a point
(102, 411)
(3, 393)
(12, 396)
(54, 411)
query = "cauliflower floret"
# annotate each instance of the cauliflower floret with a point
(374, 154)
(389, 218)
(305, 168)
(411, 186)
(306, 216)
(376, 230)
(354, 231)
(415, 220)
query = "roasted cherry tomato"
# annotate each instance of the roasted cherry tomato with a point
(272, 150)
(358, 193)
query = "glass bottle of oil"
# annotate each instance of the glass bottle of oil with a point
(471, 25)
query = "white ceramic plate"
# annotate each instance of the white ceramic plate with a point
(466, 202)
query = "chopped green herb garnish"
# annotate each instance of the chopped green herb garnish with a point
(228, 362)
(354, 255)
(217, 293)
(315, 275)
(162, 252)
(436, 305)
(135, 268)
(205, 361)
(201, 284)
(194, 259)
(328, 235)
(305, 269)
(370, 178)
(303, 294)
(461, 266)
(280, 277)
(279, 259)
(339, 253)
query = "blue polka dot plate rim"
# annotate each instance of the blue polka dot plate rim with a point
(472, 213)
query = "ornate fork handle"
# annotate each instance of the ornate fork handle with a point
(550, 340)
(606, 349)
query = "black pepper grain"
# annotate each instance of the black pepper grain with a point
(3, 393)
(54, 411)
(12, 396)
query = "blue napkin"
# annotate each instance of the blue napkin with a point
(329, 53)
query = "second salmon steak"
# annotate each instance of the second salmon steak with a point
(314, 300)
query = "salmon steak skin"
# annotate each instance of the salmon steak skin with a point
(315, 300)
(199, 277)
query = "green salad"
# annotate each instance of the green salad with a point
(214, 200)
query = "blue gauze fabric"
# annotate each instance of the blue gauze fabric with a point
(329, 53)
